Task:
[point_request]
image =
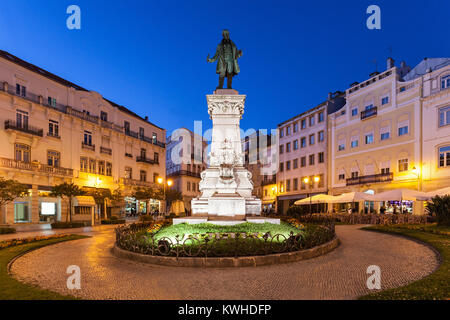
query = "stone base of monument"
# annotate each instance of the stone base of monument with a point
(224, 222)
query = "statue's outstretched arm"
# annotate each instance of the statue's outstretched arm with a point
(216, 55)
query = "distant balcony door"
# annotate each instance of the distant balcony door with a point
(126, 126)
(141, 133)
(22, 152)
(22, 119)
(143, 153)
(53, 158)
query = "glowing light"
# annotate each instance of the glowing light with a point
(169, 182)
(306, 180)
(160, 180)
(316, 179)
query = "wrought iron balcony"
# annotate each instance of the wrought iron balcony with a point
(369, 113)
(13, 125)
(88, 146)
(374, 178)
(184, 173)
(146, 160)
(106, 150)
(136, 183)
(35, 166)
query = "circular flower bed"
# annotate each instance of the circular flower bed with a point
(208, 240)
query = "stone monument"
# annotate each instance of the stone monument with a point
(226, 186)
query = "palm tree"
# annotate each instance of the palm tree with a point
(9, 190)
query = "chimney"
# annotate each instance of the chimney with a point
(146, 118)
(389, 63)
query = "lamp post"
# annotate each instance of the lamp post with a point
(306, 180)
(169, 183)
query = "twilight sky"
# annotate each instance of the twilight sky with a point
(150, 56)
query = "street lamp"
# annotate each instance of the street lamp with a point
(306, 180)
(160, 180)
(416, 171)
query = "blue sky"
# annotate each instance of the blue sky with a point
(151, 55)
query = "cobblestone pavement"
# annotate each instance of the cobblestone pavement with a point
(340, 274)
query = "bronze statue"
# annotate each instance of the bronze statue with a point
(226, 56)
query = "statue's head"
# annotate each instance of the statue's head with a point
(226, 34)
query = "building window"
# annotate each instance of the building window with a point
(103, 116)
(101, 167)
(295, 184)
(288, 185)
(295, 163)
(303, 184)
(341, 147)
(155, 177)
(53, 128)
(281, 132)
(83, 164)
(303, 162)
(355, 174)
(403, 130)
(341, 176)
(321, 157)
(281, 167)
(354, 144)
(21, 90)
(303, 142)
(53, 158)
(126, 127)
(109, 169)
(385, 136)
(288, 165)
(444, 156)
(128, 173)
(92, 166)
(156, 157)
(385, 170)
(22, 152)
(281, 149)
(82, 210)
(311, 121)
(312, 139)
(402, 165)
(321, 181)
(445, 82)
(22, 119)
(385, 100)
(321, 136)
(354, 112)
(444, 116)
(143, 153)
(188, 186)
(321, 116)
(288, 147)
(143, 175)
(295, 144)
(141, 133)
(296, 126)
(51, 102)
(87, 138)
(311, 159)
(369, 138)
(303, 124)
(288, 130)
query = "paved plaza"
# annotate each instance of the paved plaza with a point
(340, 274)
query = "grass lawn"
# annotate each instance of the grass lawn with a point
(11, 289)
(202, 228)
(434, 286)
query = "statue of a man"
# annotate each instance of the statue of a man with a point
(226, 56)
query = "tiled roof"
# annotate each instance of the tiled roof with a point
(425, 65)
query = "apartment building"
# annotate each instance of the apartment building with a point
(54, 131)
(186, 158)
(261, 160)
(303, 153)
(393, 132)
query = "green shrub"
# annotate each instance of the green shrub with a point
(67, 225)
(114, 218)
(113, 221)
(6, 230)
(297, 211)
(440, 206)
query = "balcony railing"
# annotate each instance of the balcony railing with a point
(136, 183)
(11, 124)
(88, 146)
(139, 136)
(82, 115)
(53, 135)
(34, 166)
(106, 150)
(369, 113)
(184, 173)
(146, 160)
(374, 178)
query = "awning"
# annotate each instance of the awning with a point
(440, 192)
(83, 201)
(401, 195)
(292, 197)
(353, 197)
(319, 198)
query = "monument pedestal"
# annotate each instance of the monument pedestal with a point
(226, 186)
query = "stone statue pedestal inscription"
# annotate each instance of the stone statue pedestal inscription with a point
(226, 186)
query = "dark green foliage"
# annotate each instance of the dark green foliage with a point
(440, 206)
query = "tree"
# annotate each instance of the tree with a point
(67, 190)
(441, 207)
(9, 190)
(100, 196)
